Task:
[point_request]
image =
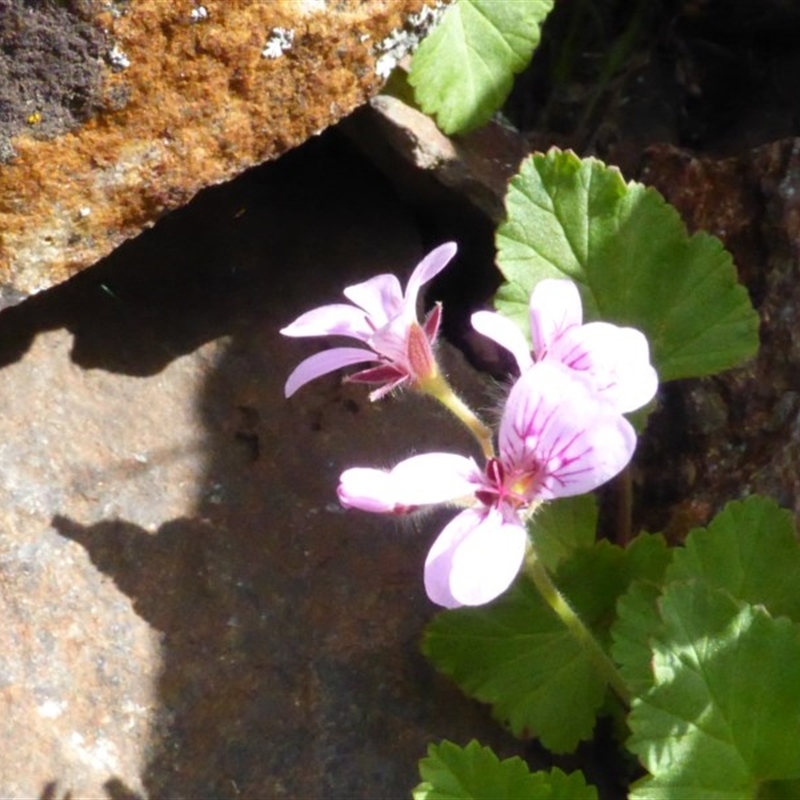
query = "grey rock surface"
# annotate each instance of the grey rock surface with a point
(187, 611)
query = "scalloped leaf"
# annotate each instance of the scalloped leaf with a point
(517, 655)
(450, 772)
(561, 527)
(723, 717)
(463, 70)
(633, 261)
(751, 550)
(636, 628)
(638, 622)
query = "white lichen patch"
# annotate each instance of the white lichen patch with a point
(198, 14)
(402, 41)
(98, 754)
(280, 40)
(51, 709)
(312, 6)
(117, 59)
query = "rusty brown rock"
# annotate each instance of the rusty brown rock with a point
(189, 95)
(726, 436)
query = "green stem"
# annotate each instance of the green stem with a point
(553, 597)
(437, 386)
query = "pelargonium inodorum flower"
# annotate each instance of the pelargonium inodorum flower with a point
(383, 318)
(616, 359)
(556, 439)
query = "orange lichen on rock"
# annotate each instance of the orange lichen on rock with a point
(191, 99)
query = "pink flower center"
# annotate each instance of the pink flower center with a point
(514, 488)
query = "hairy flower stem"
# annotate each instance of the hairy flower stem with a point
(553, 597)
(437, 386)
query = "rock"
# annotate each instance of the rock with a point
(458, 184)
(187, 611)
(476, 166)
(112, 114)
(726, 436)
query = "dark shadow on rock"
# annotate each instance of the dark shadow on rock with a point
(186, 281)
(236, 246)
(226, 616)
(117, 790)
(50, 792)
(161, 573)
(290, 663)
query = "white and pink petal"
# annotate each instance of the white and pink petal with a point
(556, 427)
(426, 270)
(506, 333)
(617, 358)
(431, 478)
(576, 462)
(391, 341)
(381, 297)
(555, 306)
(338, 319)
(474, 559)
(368, 490)
(322, 363)
(423, 480)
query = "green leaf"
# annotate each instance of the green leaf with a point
(594, 578)
(570, 786)
(562, 526)
(473, 772)
(517, 655)
(723, 717)
(463, 70)
(648, 557)
(779, 790)
(750, 549)
(637, 621)
(632, 259)
(637, 626)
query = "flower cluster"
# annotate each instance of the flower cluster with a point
(562, 430)
(383, 318)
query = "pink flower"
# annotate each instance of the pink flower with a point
(616, 359)
(556, 439)
(385, 320)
